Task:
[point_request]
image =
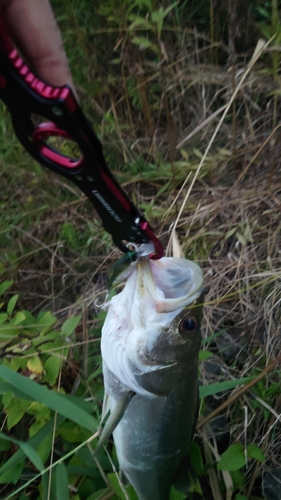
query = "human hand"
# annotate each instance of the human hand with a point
(32, 27)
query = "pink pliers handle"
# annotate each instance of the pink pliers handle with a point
(26, 96)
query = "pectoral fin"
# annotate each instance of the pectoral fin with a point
(158, 381)
(114, 417)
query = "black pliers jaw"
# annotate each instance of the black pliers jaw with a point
(26, 96)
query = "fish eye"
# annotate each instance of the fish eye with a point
(188, 325)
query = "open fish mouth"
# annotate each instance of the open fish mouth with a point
(155, 293)
(172, 283)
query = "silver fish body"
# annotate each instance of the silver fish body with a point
(153, 351)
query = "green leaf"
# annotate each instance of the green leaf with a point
(28, 451)
(45, 431)
(238, 479)
(209, 339)
(203, 355)
(34, 364)
(47, 487)
(5, 387)
(73, 433)
(169, 8)
(46, 321)
(176, 495)
(115, 483)
(18, 318)
(7, 397)
(233, 458)
(52, 367)
(29, 319)
(141, 4)
(240, 497)
(15, 414)
(209, 390)
(141, 41)
(78, 470)
(144, 43)
(139, 22)
(32, 455)
(12, 474)
(44, 448)
(11, 304)
(3, 317)
(15, 410)
(195, 458)
(49, 339)
(4, 445)
(69, 325)
(5, 285)
(256, 452)
(50, 398)
(62, 482)
(98, 495)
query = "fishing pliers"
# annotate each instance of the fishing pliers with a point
(30, 99)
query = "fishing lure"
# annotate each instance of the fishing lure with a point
(121, 268)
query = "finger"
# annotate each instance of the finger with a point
(32, 27)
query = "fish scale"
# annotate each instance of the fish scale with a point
(159, 362)
(153, 436)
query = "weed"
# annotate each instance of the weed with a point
(155, 81)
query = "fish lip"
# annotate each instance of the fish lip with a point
(146, 281)
(162, 307)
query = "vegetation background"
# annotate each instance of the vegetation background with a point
(185, 97)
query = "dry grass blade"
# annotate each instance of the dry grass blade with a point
(214, 480)
(201, 126)
(261, 47)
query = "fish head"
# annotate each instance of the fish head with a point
(170, 344)
(157, 336)
(168, 355)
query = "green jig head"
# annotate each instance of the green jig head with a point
(120, 266)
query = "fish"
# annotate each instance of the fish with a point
(150, 343)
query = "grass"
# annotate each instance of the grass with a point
(158, 110)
